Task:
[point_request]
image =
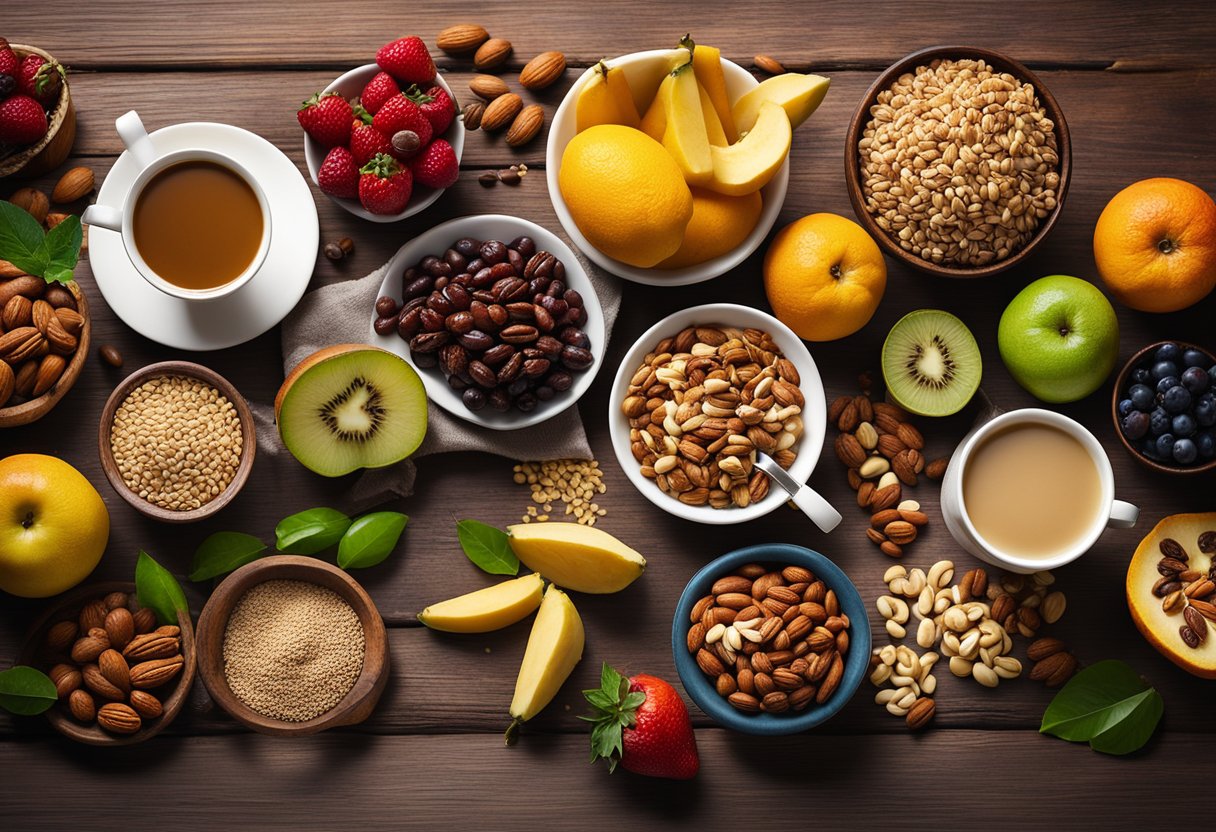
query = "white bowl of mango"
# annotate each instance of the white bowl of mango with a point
(669, 167)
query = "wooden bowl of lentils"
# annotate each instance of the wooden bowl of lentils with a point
(291, 645)
(177, 441)
(957, 161)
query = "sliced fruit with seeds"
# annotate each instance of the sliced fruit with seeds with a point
(351, 406)
(486, 609)
(931, 363)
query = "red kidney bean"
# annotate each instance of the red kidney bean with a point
(560, 380)
(409, 322)
(455, 259)
(386, 307)
(418, 287)
(460, 323)
(574, 336)
(475, 340)
(576, 358)
(385, 326)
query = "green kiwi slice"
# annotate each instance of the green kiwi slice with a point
(931, 363)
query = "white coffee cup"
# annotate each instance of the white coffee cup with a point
(120, 219)
(1112, 512)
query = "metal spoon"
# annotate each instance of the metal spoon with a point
(806, 498)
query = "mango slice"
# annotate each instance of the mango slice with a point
(486, 609)
(713, 125)
(707, 63)
(749, 164)
(555, 646)
(798, 95)
(605, 99)
(577, 557)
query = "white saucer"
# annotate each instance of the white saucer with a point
(255, 307)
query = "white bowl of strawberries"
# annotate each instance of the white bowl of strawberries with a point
(383, 140)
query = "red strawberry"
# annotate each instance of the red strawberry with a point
(326, 117)
(436, 105)
(8, 60)
(385, 186)
(39, 80)
(339, 175)
(366, 141)
(642, 723)
(436, 166)
(22, 120)
(378, 90)
(399, 113)
(407, 60)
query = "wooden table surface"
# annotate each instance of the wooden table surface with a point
(1137, 81)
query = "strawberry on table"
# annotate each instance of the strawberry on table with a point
(399, 113)
(436, 166)
(327, 118)
(378, 90)
(338, 174)
(435, 104)
(407, 60)
(22, 120)
(39, 79)
(642, 723)
(366, 141)
(385, 186)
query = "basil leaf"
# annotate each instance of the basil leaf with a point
(156, 588)
(1107, 705)
(21, 239)
(309, 532)
(62, 246)
(489, 548)
(25, 691)
(370, 539)
(222, 552)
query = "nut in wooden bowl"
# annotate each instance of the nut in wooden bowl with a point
(44, 344)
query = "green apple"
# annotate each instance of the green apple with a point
(1059, 337)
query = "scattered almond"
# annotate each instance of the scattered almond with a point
(488, 87)
(501, 112)
(73, 185)
(32, 201)
(769, 64)
(542, 71)
(462, 38)
(492, 54)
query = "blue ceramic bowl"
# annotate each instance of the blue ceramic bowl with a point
(701, 688)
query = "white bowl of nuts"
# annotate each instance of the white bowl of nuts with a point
(698, 394)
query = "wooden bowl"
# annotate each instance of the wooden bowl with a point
(358, 703)
(51, 151)
(1117, 394)
(35, 653)
(249, 442)
(35, 409)
(852, 157)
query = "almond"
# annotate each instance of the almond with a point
(16, 342)
(66, 678)
(118, 718)
(462, 38)
(766, 63)
(73, 185)
(53, 218)
(731, 583)
(849, 450)
(120, 626)
(883, 517)
(889, 445)
(8, 382)
(145, 620)
(93, 615)
(96, 681)
(19, 284)
(492, 54)
(145, 704)
(886, 497)
(488, 87)
(7, 269)
(70, 320)
(921, 713)
(81, 704)
(849, 418)
(501, 112)
(151, 646)
(1055, 669)
(115, 600)
(901, 532)
(904, 468)
(60, 339)
(542, 70)
(87, 649)
(916, 518)
(18, 312)
(837, 407)
(50, 368)
(526, 125)
(1003, 606)
(24, 378)
(32, 201)
(60, 636)
(114, 667)
(155, 673)
(910, 436)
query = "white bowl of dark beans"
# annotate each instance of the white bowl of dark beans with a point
(497, 315)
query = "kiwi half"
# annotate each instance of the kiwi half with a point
(931, 363)
(351, 406)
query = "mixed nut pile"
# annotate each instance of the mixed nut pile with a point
(700, 406)
(498, 319)
(773, 640)
(1183, 589)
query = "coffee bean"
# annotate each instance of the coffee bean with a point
(476, 340)
(499, 400)
(429, 341)
(474, 399)
(544, 321)
(573, 298)
(436, 301)
(483, 277)
(481, 315)
(441, 282)
(520, 334)
(460, 323)
(457, 383)
(483, 375)
(498, 314)
(539, 265)
(536, 367)
(467, 246)
(418, 286)
(516, 260)
(425, 360)
(493, 251)
(386, 307)
(497, 355)
(549, 347)
(526, 402)
(560, 380)
(555, 306)
(520, 311)
(556, 289)
(409, 323)
(458, 296)
(509, 372)
(453, 359)
(432, 321)
(576, 358)
(574, 336)
(456, 260)
(545, 392)
(385, 326)
(525, 245)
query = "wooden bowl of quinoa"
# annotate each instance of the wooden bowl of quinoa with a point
(177, 441)
(291, 645)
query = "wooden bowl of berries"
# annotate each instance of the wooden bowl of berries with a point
(122, 676)
(37, 119)
(383, 140)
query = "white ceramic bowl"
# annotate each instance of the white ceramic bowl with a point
(814, 414)
(640, 65)
(351, 85)
(494, 227)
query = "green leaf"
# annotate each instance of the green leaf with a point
(25, 691)
(156, 588)
(1107, 705)
(62, 246)
(21, 239)
(489, 548)
(370, 539)
(614, 708)
(311, 531)
(222, 552)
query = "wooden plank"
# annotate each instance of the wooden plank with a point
(316, 33)
(449, 782)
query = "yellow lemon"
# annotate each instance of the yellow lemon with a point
(719, 224)
(626, 194)
(824, 277)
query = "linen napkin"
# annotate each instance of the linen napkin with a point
(340, 313)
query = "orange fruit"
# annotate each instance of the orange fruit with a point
(719, 224)
(1155, 245)
(824, 277)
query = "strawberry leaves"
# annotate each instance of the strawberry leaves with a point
(614, 709)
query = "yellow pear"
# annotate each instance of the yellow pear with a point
(798, 95)
(707, 63)
(486, 609)
(554, 648)
(577, 557)
(749, 164)
(605, 99)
